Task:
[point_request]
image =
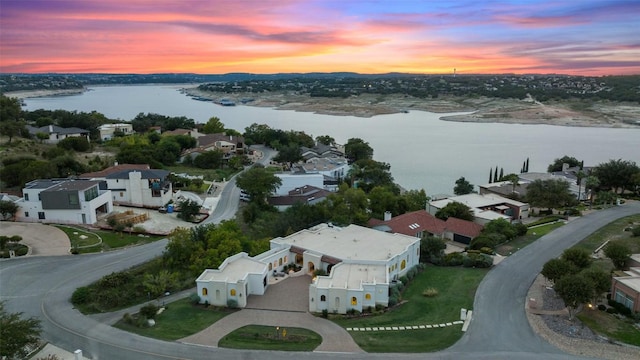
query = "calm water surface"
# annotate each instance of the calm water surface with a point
(424, 152)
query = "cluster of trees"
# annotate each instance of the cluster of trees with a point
(16, 333)
(496, 232)
(207, 246)
(575, 281)
(143, 122)
(152, 148)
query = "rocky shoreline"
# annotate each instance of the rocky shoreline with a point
(477, 110)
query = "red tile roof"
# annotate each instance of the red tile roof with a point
(415, 222)
(463, 227)
(115, 169)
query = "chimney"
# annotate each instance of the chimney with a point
(50, 129)
(565, 167)
(387, 215)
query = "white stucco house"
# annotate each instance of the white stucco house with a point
(136, 185)
(360, 264)
(107, 131)
(65, 201)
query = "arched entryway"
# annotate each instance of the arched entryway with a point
(311, 266)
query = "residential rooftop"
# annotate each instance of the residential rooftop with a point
(353, 242)
(233, 269)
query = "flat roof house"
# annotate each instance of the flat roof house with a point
(486, 207)
(626, 289)
(65, 201)
(57, 133)
(360, 264)
(136, 185)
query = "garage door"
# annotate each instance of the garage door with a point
(461, 239)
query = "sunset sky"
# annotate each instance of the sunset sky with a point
(587, 37)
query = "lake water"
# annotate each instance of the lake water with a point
(424, 152)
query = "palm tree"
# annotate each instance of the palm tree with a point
(579, 176)
(591, 182)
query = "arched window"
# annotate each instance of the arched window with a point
(205, 292)
(280, 262)
(233, 292)
(323, 298)
(285, 259)
(403, 264)
(270, 267)
(367, 296)
(217, 294)
(354, 300)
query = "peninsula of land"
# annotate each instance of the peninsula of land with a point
(569, 112)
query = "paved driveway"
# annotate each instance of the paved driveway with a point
(290, 294)
(284, 304)
(42, 240)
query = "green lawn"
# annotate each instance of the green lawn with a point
(258, 337)
(610, 326)
(180, 319)
(456, 289)
(85, 241)
(532, 235)
(614, 231)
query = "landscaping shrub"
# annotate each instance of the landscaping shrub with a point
(452, 259)
(521, 229)
(602, 307)
(80, 296)
(325, 313)
(636, 231)
(430, 292)
(194, 298)
(232, 304)
(149, 311)
(404, 280)
(487, 250)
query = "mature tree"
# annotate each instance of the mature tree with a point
(618, 252)
(213, 126)
(555, 269)
(159, 283)
(590, 184)
(188, 209)
(289, 154)
(574, 290)
(224, 241)
(431, 248)
(325, 139)
(209, 159)
(10, 109)
(11, 129)
(415, 199)
(553, 193)
(601, 282)
(635, 183)
(16, 333)
(382, 199)
(502, 227)
(557, 163)
(348, 206)
(8, 209)
(367, 174)
(606, 197)
(357, 149)
(258, 183)
(578, 257)
(513, 179)
(616, 174)
(455, 209)
(462, 187)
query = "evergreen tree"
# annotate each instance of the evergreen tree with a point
(501, 173)
(495, 174)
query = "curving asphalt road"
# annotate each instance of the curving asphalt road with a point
(41, 287)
